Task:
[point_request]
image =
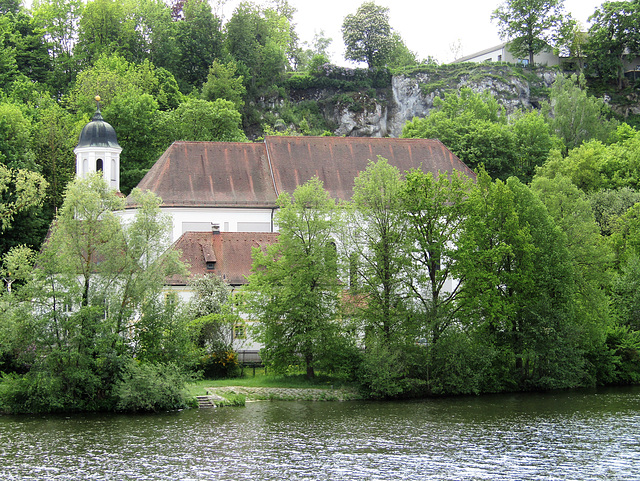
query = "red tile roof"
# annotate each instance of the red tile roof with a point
(229, 174)
(230, 253)
(220, 174)
(337, 161)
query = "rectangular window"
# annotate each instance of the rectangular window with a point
(196, 227)
(240, 331)
(254, 227)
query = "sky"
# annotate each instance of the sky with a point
(428, 27)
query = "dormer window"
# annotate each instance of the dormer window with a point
(209, 256)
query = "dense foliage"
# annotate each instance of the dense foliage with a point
(451, 286)
(527, 279)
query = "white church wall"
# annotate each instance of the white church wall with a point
(230, 220)
(200, 219)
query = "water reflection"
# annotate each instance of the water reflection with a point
(578, 435)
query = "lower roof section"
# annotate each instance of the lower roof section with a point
(225, 254)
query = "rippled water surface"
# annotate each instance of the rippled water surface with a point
(569, 436)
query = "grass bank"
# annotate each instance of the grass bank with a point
(277, 387)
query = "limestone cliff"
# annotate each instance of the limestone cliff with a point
(383, 112)
(413, 95)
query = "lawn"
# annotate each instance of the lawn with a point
(261, 379)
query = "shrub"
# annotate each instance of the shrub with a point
(151, 388)
(34, 392)
(390, 371)
(222, 363)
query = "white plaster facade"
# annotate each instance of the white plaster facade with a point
(500, 53)
(90, 160)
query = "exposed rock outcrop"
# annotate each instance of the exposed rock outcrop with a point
(386, 112)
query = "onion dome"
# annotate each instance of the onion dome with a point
(98, 133)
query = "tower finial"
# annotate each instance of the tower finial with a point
(97, 98)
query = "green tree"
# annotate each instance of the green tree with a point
(590, 257)
(530, 26)
(367, 35)
(95, 275)
(375, 239)
(609, 204)
(626, 294)
(54, 138)
(317, 52)
(199, 120)
(113, 75)
(293, 288)
(224, 83)
(59, 19)
(15, 137)
(258, 40)
(400, 55)
(625, 238)
(20, 190)
(574, 116)
(152, 19)
(209, 307)
(518, 286)
(200, 42)
(106, 28)
(614, 35)
(594, 166)
(475, 128)
(435, 208)
(8, 64)
(26, 41)
(135, 116)
(534, 142)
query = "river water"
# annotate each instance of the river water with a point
(579, 435)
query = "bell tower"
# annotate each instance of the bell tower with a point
(98, 150)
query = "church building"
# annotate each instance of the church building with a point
(221, 196)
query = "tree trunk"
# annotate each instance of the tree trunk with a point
(310, 371)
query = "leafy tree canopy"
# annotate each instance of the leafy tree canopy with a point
(530, 26)
(293, 288)
(575, 116)
(614, 34)
(224, 83)
(367, 35)
(201, 120)
(475, 128)
(20, 189)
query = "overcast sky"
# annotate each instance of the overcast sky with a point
(428, 27)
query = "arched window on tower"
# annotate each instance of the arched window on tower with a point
(85, 167)
(99, 166)
(113, 170)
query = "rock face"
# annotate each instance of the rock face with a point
(413, 96)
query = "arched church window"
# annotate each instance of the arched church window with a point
(99, 166)
(85, 167)
(113, 170)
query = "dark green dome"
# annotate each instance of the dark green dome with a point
(98, 133)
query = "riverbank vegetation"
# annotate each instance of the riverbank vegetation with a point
(525, 279)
